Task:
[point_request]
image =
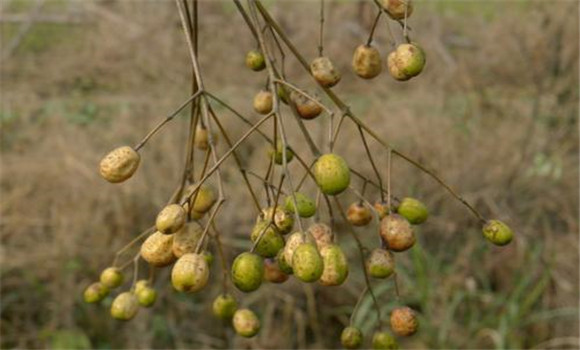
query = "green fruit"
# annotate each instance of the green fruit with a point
(270, 243)
(306, 206)
(141, 284)
(278, 155)
(282, 264)
(125, 306)
(394, 69)
(255, 60)
(248, 272)
(246, 323)
(413, 210)
(380, 263)
(410, 59)
(307, 263)
(95, 293)
(397, 232)
(331, 173)
(404, 321)
(190, 273)
(335, 269)
(146, 296)
(497, 232)
(208, 256)
(283, 220)
(384, 341)
(283, 94)
(293, 241)
(171, 219)
(351, 337)
(111, 277)
(224, 306)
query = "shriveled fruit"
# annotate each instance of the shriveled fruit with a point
(359, 214)
(119, 164)
(186, 240)
(322, 234)
(190, 273)
(270, 243)
(111, 277)
(204, 199)
(306, 107)
(125, 306)
(404, 321)
(380, 264)
(397, 232)
(497, 232)
(413, 210)
(293, 241)
(263, 102)
(248, 272)
(171, 219)
(157, 250)
(396, 8)
(282, 220)
(273, 273)
(407, 62)
(351, 337)
(202, 138)
(394, 69)
(307, 263)
(324, 72)
(146, 296)
(382, 208)
(278, 154)
(366, 62)
(255, 60)
(246, 323)
(282, 264)
(335, 270)
(224, 306)
(331, 173)
(384, 341)
(306, 206)
(95, 293)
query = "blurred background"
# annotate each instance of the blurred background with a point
(495, 112)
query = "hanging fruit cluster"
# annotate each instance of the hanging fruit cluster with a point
(282, 246)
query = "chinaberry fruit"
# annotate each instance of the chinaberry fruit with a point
(404, 321)
(246, 323)
(204, 199)
(190, 273)
(358, 214)
(406, 61)
(248, 272)
(384, 341)
(366, 62)
(351, 337)
(307, 263)
(271, 241)
(157, 250)
(497, 232)
(306, 206)
(125, 306)
(278, 154)
(331, 173)
(335, 270)
(111, 277)
(255, 60)
(202, 138)
(171, 219)
(382, 208)
(282, 220)
(322, 234)
(293, 241)
(224, 306)
(273, 273)
(396, 8)
(263, 102)
(95, 293)
(146, 296)
(397, 232)
(119, 164)
(186, 240)
(324, 72)
(380, 264)
(413, 210)
(306, 107)
(282, 264)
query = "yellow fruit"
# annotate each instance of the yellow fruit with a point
(95, 293)
(394, 69)
(497, 232)
(359, 214)
(324, 72)
(248, 272)
(351, 337)
(384, 341)
(190, 273)
(246, 323)
(322, 234)
(120, 164)
(366, 62)
(307, 263)
(255, 60)
(404, 321)
(171, 219)
(157, 250)
(263, 102)
(335, 269)
(293, 241)
(146, 296)
(125, 306)
(202, 138)
(397, 232)
(186, 240)
(409, 59)
(224, 306)
(331, 173)
(306, 108)
(396, 8)
(111, 277)
(204, 199)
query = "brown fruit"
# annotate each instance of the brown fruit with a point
(324, 72)
(404, 321)
(381, 208)
(263, 102)
(186, 240)
(273, 273)
(202, 138)
(359, 214)
(190, 273)
(396, 8)
(366, 62)
(322, 234)
(306, 108)
(171, 219)
(380, 264)
(397, 233)
(119, 164)
(157, 250)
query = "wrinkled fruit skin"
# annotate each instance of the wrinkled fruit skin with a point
(351, 338)
(95, 293)
(157, 250)
(324, 72)
(146, 296)
(384, 341)
(406, 62)
(396, 8)
(278, 154)
(307, 263)
(322, 234)
(293, 241)
(397, 232)
(255, 60)
(366, 62)
(263, 102)
(306, 108)
(282, 220)
(205, 199)
(171, 219)
(125, 306)
(497, 232)
(111, 277)
(404, 321)
(380, 264)
(224, 306)
(282, 264)
(273, 273)
(332, 174)
(246, 323)
(270, 243)
(247, 272)
(359, 214)
(120, 164)
(306, 206)
(394, 69)
(381, 208)
(335, 269)
(190, 273)
(186, 240)
(413, 210)
(202, 138)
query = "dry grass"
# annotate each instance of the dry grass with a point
(495, 113)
